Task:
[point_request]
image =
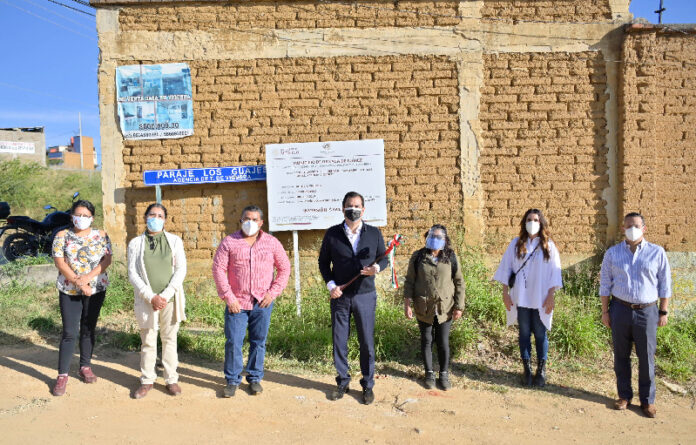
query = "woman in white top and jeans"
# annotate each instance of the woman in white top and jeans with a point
(534, 258)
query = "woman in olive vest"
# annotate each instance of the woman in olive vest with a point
(435, 285)
(156, 269)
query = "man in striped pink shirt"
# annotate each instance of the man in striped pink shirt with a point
(243, 271)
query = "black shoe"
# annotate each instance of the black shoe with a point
(255, 388)
(229, 390)
(429, 380)
(540, 376)
(443, 381)
(368, 396)
(338, 392)
(527, 375)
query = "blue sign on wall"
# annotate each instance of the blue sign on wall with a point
(205, 175)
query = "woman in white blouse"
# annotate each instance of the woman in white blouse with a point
(535, 261)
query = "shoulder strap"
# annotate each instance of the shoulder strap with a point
(525, 261)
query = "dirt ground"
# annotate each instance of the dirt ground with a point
(294, 408)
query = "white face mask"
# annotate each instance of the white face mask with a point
(250, 227)
(532, 227)
(82, 222)
(634, 233)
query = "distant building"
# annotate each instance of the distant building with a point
(68, 156)
(27, 144)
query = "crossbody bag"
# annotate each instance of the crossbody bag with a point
(513, 275)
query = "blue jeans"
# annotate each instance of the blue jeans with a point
(529, 321)
(257, 320)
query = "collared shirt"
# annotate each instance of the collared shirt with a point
(354, 239)
(245, 273)
(640, 277)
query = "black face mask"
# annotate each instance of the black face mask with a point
(353, 214)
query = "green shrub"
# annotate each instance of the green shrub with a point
(119, 294)
(577, 334)
(676, 345)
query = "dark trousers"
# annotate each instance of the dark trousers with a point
(79, 314)
(529, 321)
(362, 307)
(639, 327)
(442, 334)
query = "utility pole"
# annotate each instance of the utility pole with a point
(82, 152)
(659, 13)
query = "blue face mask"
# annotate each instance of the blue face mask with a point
(155, 224)
(434, 243)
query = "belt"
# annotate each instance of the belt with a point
(633, 305)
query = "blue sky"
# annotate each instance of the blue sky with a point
(50, 60)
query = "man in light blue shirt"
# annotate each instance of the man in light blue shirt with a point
(635, 274)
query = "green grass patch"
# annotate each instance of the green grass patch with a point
(304, 341)
(119, 294)
(27, 187)
(676, 346)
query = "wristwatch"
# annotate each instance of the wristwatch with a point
(661, 312)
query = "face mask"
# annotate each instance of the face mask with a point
(155, 224)
(634, 233)
(82, 222)
(532, 227)
(353, 213)
(434, 243)
(250, 227)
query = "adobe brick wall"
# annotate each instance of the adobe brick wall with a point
(548, 10)
(240, 105)
(544, 146)
(658, 133)
(289, 15)
(481, 118)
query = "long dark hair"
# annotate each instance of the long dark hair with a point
(446, 252)
(544, 235)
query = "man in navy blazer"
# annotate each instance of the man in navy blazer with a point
(347, 250)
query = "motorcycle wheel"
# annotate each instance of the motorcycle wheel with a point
(19, 245)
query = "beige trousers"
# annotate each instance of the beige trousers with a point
(168, 329)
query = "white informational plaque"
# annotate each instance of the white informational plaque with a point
(306, 182)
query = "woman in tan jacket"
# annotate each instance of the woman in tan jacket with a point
(435, 285)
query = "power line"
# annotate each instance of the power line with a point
(49, 21)
(43, 93)
(84, 3)
(60, 15)
(70, 7)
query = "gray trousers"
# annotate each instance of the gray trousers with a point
(639, 327)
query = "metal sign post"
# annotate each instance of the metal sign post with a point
(296, 258)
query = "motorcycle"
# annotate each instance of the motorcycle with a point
(32, 237)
